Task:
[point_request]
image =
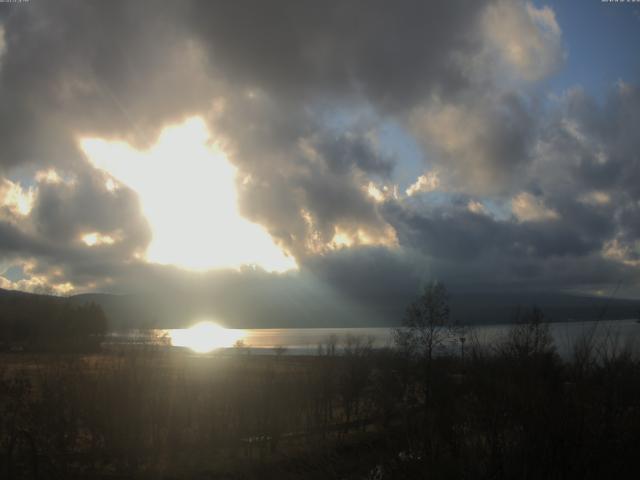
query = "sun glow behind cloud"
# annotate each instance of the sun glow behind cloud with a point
(97, 239)
(187, 192)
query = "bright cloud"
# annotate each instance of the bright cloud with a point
(619, 251)
(424, 183)
(381, 193)
(95, 239)
(528, 208)
(476, 207)
(596, 198)
(35, 280)
(527, 40)
(3, 43)
(15, 198)
(346, 235)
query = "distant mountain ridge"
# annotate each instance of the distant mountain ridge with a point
(179, 309)
(167, 311)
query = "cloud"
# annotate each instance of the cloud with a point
(480, 142)
(15, 201)
(424, 183)
(528, 208)
(96, 239)
(100, 73)
(481, 138)
(525, 39)
(465, 249)
(595, 198)
(300, 50)
(3, 44)
(517, 190)
(260, 85)
(48, 236)
(477, 207)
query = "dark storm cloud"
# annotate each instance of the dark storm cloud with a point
(461, 235)
(63, 211)
(13, 241)
(390, 53)
(467, 249)
(343, 152)
(594, 149)
(607, 135)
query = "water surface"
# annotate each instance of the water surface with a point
(612, 333)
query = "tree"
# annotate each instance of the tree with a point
(427, 324)
(530, 336)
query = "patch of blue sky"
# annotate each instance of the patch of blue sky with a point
(24, 175)
(12, 272)
(600, 39)
(498, 209)
(438, 200)
(394, 140)
(343, 118)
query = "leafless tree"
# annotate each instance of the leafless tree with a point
(427, 323)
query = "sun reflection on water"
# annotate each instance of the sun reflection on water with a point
(205, 337)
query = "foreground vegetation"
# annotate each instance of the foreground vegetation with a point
(514, 409)
(508, 412)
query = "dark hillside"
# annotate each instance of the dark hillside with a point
(43, 322)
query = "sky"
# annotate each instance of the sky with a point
(334, 155)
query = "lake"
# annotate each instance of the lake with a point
(305, 341)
